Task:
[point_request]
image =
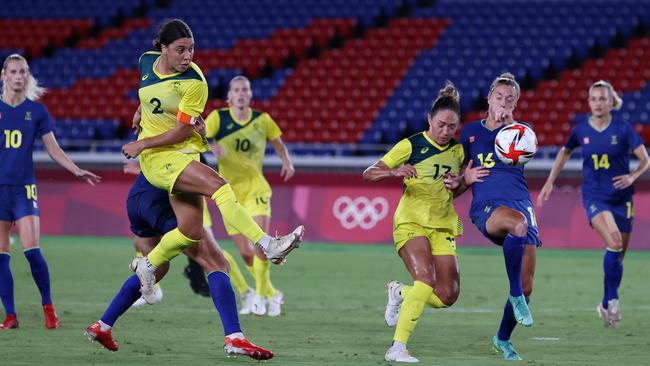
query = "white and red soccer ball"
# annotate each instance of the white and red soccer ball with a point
(515, 144)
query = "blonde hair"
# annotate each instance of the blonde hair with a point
(32, 90)
(238, 78)
(506, 79)
(617, 102)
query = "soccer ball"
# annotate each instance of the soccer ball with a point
(515, 144)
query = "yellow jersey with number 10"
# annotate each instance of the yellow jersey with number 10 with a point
(244, 143)
(163, 98)
(426, 201)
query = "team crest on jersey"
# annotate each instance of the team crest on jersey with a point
(145, 76)
(424, 150)
(230, 126)
(614, 141)
(593, 208)
(472, 138)
(487, 209)
(176, 86)
(28, 116)
(585, 140)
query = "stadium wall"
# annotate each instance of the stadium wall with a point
(334, 207)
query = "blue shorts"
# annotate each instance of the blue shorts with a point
(150, 215)
(18, 201)
(480, 212)
(623, 211)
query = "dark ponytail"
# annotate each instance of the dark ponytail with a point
(448, 99)
(171, 30)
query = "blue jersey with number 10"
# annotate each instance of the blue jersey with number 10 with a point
(605, 155)
(505, 181)
(19, 128)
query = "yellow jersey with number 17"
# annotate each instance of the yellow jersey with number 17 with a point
(244, 143)
(426, 201)
(166, 99)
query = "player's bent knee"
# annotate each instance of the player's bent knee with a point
(447, 296)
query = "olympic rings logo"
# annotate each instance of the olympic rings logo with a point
(360, 211)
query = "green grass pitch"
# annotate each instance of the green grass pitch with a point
(333, 312)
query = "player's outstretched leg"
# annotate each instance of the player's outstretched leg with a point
(101, 331)
(506, 348)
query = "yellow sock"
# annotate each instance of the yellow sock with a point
(250, 270)
(138, 253)
(171, 245)
(433, 300)
(412, 308)
(263, 285)
(236, 277)
(235, 215)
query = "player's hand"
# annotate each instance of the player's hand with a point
(544, 194)
(287, 171)
(89, 177)
(452, 180)
(131, 168)
(505, 116)
(405, 171)
(199, 126)
(622, 181)
(218, 150)
(132, 149)
(475, 174)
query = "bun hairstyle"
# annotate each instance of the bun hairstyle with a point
(171, 30)
(617, 102)
(448, 99)
(32, 90)
(506, 79)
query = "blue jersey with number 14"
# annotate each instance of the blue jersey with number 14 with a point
(20, 126)
(505, 182)
(605, 155)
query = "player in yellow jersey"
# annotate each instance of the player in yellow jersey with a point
(425, 225)
(241, 134)
(173, 93)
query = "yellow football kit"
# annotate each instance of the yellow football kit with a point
(426, 207)
(244, 143)
(164, 100)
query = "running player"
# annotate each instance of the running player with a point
(151, 215)
(502, 209)
(241, 134)
(607, 189)
(426, 224)
(173, 93)
(22, 121)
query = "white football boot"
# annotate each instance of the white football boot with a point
(246, 301)
(394, 304)
(147, 278)
(279, 247)
(399, 354)
(158, 293)
(275, 304)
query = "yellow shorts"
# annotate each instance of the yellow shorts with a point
(255, 204)
(162, 168)
(442, 242)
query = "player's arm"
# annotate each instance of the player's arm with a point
(459, 183)
(391, 164)
(58, 155)
(560, 160)
(626, 180)
(287, 165)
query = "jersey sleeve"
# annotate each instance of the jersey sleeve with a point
(272, 129)
(193, 102)
(212, 124)
(398, 154)
(45, 124)
(573, 141)
(633, 137)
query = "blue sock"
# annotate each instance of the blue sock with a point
(224, 300)
(513, 253)
(7, 284)
(613, 273)
(40, 272)
(508, 322)
(128, 294)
